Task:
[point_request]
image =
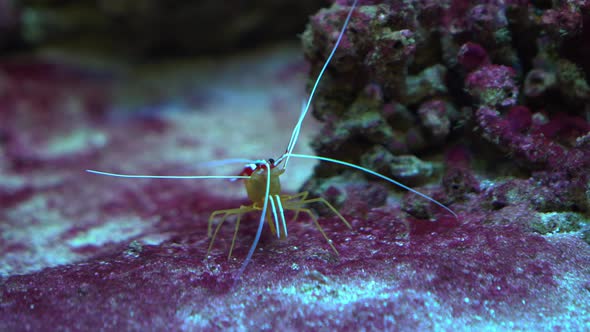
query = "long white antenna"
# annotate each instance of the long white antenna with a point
(366, 170)
(296, 130)
(211, 163)
(168, 176)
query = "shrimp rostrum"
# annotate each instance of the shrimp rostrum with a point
(262, 182)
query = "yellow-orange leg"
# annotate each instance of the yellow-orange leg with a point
(225, 213)
(301, 197)
(296, 206)
(330, 206)
(319, 227)
(290, 202)
(303, 200)
(233, 240)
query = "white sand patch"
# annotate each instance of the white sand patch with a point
(37, 228)
(115, 230)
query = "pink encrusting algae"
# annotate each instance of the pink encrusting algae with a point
(482, 106)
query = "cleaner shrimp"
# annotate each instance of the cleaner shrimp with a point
(261, 179)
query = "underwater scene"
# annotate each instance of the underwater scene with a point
(295, 165)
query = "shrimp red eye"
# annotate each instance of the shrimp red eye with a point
(249, 169)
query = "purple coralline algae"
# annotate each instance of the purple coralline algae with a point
(493, 85)
(491, 76)
(483, 106)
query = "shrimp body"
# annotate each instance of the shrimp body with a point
(264, 188)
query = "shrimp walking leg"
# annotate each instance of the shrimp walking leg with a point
(224, 214)
(318, 226)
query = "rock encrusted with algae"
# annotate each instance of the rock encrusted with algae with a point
(494, 78)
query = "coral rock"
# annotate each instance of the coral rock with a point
(493, 85)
